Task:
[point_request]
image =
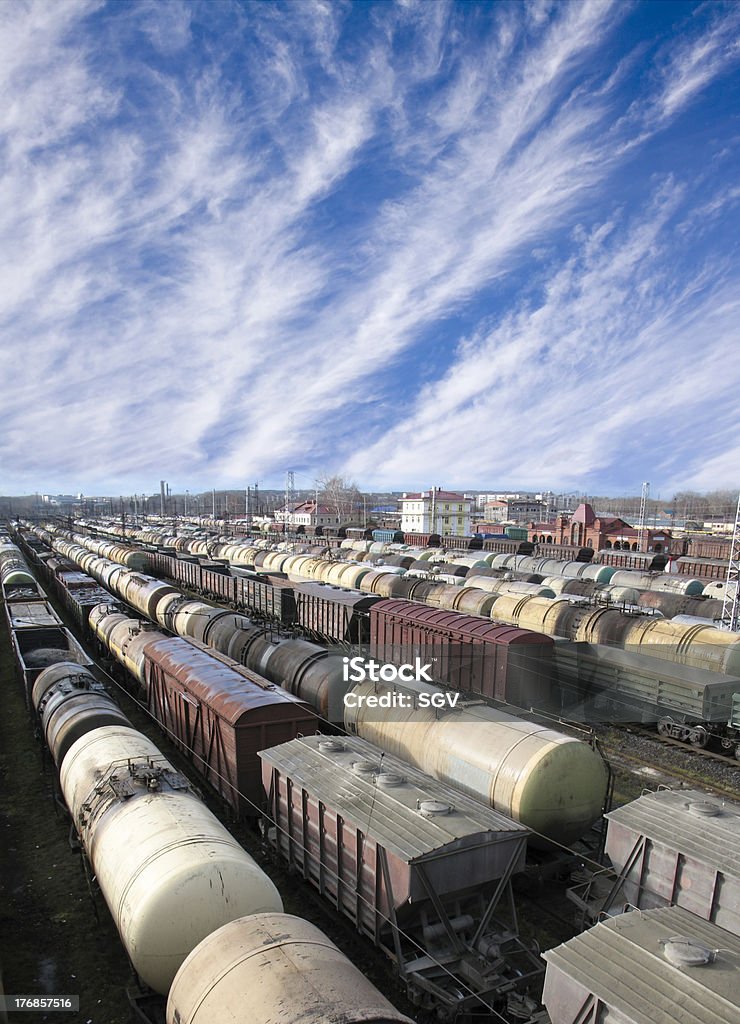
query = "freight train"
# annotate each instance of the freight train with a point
(597, 681)
(698, 645)
(504, 761)
(116, 782)
(510, 665)
(221, 974)
(178, 885)
(499, 767)
(703, 557)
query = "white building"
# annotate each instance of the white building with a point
(436, 511)
(484, 499)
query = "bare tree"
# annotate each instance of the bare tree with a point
(342, 496)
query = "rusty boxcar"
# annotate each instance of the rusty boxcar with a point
(330, 613)
(220, 714)
(467, 652)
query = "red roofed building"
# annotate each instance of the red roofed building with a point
(587, 530)
(436, 511)
(307, 514)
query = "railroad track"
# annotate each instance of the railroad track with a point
(634, 762)
(687, 748)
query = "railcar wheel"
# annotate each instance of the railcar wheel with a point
(664, 726)
(699, 737)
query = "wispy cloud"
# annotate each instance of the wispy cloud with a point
(247, 238)
(622, 366)
(697, 60)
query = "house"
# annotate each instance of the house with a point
(307, 513)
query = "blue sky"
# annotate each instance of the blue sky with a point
(466, 244)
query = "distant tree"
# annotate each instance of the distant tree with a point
(690, 505)
(342, 496)
(722, 504)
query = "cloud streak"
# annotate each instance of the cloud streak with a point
(308, 235)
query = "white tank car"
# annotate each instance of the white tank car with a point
(169, 871)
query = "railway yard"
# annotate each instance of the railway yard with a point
(251, 838)
(370, 512)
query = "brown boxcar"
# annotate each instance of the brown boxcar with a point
(268, 596)
(646, 560)
(180, 570)
(220, 714)
(218, 585)
(704, 568)
(568, 552)
(710, 547)
(423, 540)
(333, 614)
(504, 544)
(467, 652)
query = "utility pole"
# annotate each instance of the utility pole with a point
(731, 605)
(641, 522)
(214, 502)
(162, 500)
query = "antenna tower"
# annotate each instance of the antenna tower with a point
(731, 604)
(289, 493)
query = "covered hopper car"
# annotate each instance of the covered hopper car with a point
(662, 966)
(665, 848)
(419, 868)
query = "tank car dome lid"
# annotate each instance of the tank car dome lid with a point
(685, 951)
(623, 962)
(410, 813)
(707, 831)
(232, 691)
